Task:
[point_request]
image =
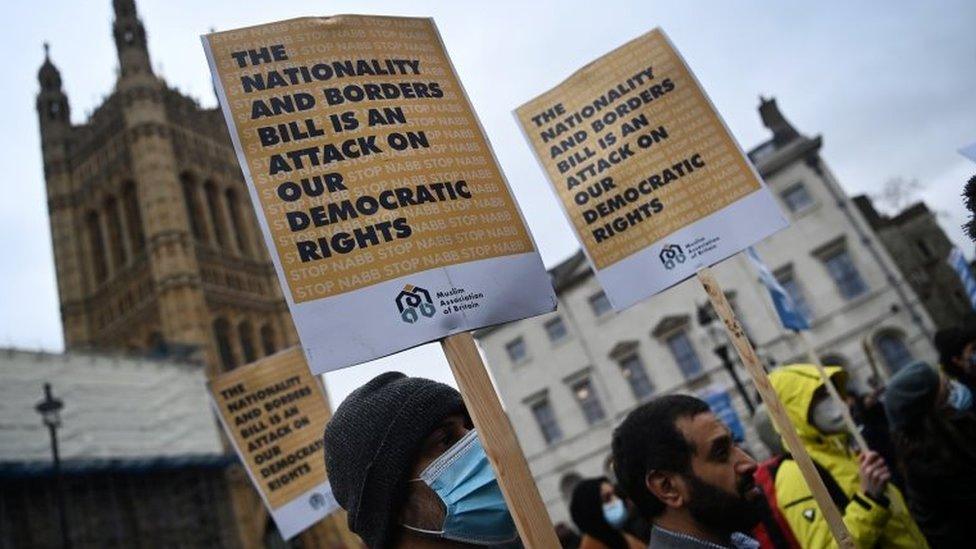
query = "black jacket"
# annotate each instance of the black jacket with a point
(941, 480)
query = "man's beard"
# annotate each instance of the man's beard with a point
(722, 512)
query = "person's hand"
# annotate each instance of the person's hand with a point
(874, 474)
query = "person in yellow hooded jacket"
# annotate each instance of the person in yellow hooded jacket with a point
(874, 510)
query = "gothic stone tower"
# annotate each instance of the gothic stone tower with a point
(156, 246)
(155, 242)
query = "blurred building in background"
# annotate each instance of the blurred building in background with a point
(567, 378)
(140, 452)
(157, 249)
(919, 247)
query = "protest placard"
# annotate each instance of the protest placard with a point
(646, 170)
(388, 219)
(657, 190)
(274, 412)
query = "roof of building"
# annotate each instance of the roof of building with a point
(786, 144)
(879, 220)
(116, 410)
(82, 466)
(571, 269)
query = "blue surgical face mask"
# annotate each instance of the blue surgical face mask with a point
(960, 397)
(615, 513)
(464, 480)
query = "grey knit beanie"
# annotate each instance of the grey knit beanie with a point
(371, 443)
(910, 394)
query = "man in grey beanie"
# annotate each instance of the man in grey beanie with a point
(407, 466)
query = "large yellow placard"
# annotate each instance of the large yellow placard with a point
(366, 159)
(275, 412)
(635, 149)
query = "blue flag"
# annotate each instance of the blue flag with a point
(958, 262)
(789, 315)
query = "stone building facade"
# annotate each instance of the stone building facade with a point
(156, 246)
(920, 248)
(569, 377)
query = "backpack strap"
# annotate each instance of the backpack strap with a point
(836, 493)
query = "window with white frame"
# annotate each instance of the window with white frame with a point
(842, 270)
(556, 329)
(545, 417)
(588, 400)
(797, 198)
(632, 368)
(684, 354)
(600, 304)
(516, 350)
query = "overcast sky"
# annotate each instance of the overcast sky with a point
(890, 86)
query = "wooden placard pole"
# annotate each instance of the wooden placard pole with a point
(776, 410)
(501, 445)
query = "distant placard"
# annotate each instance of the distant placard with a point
(274, 411)
(646, 170)
(389, 220)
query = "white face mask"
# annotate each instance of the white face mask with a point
(827, 415)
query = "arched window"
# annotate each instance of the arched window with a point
(246, 335)
(235, 219)
(133, 217)
(268, 340)
(893, 350)
(192, 208)
(115, 238)
(94, 230)
(567, 484)
(221, 330)
(216, 218)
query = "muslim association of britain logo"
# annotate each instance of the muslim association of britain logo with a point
(316, 501)
(671, 256)
(413, 303)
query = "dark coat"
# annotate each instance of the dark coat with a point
(940, 469)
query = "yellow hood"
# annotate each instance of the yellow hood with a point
(795, 385)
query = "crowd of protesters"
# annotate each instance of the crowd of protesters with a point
(408, 467)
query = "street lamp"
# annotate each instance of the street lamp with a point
(707, 320)
(50, 410)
